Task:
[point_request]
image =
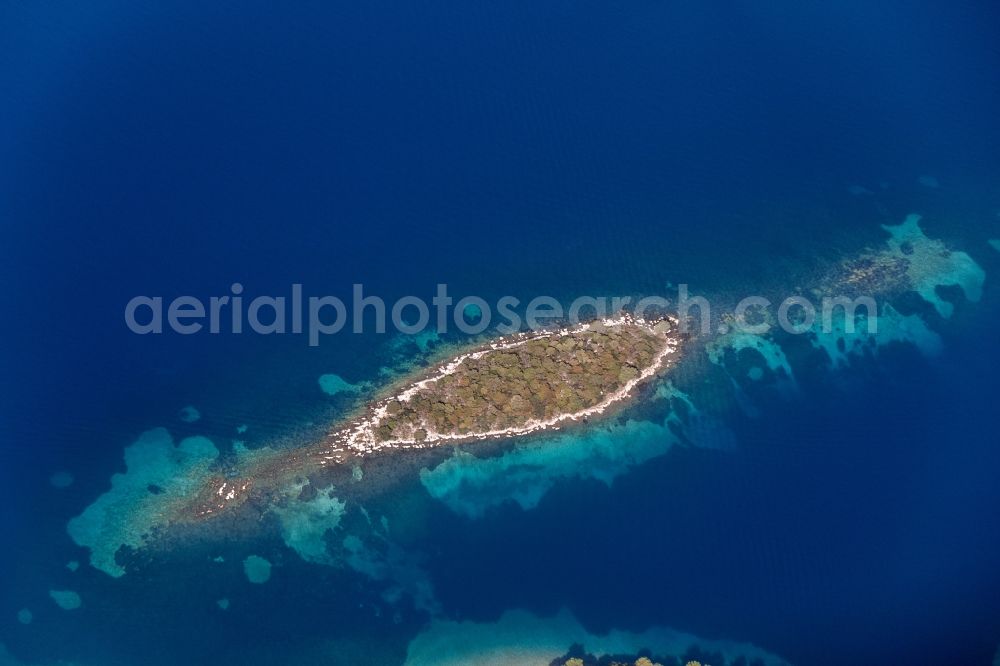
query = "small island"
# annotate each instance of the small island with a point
(508, 387)
(517, 385)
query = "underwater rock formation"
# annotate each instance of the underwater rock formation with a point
(520, 638)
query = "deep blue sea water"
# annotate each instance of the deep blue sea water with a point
(518, 148)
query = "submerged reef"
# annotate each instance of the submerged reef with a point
(520, 638)
(66, 599)
(911, 261)
(332, 384)
(930, 264)
(159, 478)
(257, 569)
(189, 414)
(304, 523)
(623, 660)
(841, 342)
(471, 485)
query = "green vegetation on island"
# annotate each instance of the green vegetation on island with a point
(537, 379)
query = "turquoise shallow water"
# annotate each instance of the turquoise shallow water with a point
(763, 499)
